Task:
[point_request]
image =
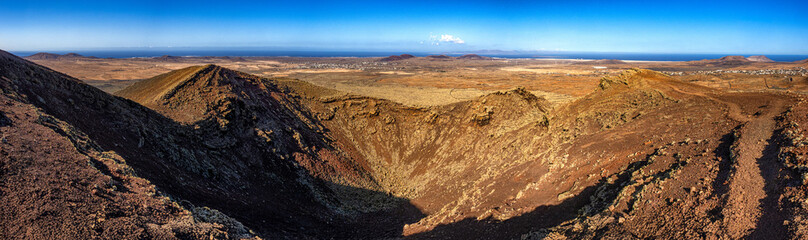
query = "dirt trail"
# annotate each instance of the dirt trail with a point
(752, 210)
(734, 111)
(747, 187)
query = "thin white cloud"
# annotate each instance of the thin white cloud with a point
(451, 39)
(445, 38)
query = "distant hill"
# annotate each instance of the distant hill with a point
(439, 57)
(396, 58)
(759, 58)
(728, 59)
(44, 56)
(725, 61)
(237, 59)
(802, 61)
(167, 58)
(72, 55)
(53, 56)
(601, 62)
(473, 57)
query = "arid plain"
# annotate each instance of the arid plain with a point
(435, 80)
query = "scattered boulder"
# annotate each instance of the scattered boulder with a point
(483, 117)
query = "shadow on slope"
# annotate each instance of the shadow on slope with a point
(242, 175)
(770, 225)
(541, 217)
(591, 201)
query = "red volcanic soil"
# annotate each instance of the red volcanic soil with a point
(220, 165)
(208, 152)
(58, 184)
(58, 177)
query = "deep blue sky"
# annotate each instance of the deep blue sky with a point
(743, 27)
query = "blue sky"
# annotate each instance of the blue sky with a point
(754, 27)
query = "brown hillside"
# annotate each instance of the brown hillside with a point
(61, 179)
(214, 163)
(494, 158)
(643, 156)
(149, 91)
(244, 105)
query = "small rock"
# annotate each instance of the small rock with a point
(389, 119)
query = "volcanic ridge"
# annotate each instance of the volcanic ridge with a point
(206, 152)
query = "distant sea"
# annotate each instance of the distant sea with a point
(277, 53)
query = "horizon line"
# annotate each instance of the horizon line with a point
(338, 50)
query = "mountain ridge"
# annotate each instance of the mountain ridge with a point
(198, 164)
(289, 159)
(53, 56)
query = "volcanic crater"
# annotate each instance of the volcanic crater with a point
(206, 152)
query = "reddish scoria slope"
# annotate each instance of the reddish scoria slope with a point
(644, 156)
(211, 163)
(261, 122)
(628, 158)
(242, 107)
(56, 182)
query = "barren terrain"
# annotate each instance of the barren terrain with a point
(402, 147)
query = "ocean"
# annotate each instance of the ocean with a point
(279, 53)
